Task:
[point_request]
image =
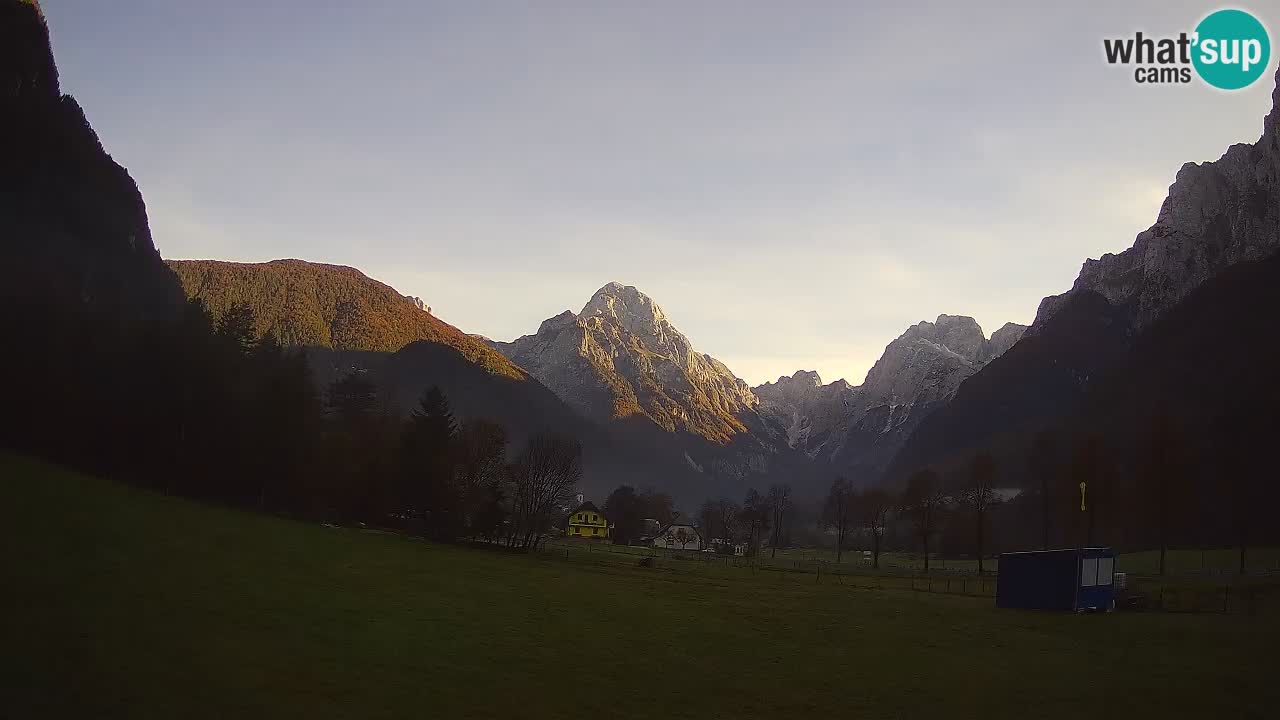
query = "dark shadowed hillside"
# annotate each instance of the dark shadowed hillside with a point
(1038, 380)
(1178, 421)
(73, 228)
(81, 283)
(1207, 368)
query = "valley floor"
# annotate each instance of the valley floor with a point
(121, 603)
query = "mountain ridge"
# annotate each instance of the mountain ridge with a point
(324, 305)
(1217, 215)
(856, 428)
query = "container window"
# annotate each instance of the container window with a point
(1089, 572)
(1106, 570)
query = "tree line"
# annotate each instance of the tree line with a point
(209, 410)
(1083, 491)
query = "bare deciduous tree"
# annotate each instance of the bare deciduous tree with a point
(755, 517)
(481, 457)
(544, 477)
(837, 512)
(707, 519)
(1163, 478)
(780, 504)
(922, 502)
(683, 537)
(727, 519)
(1043, 465)
(977, 496)
(874, 506)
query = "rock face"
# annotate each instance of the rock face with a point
(620, 357)
(692, 423)
(859, 428)
(1217, 215)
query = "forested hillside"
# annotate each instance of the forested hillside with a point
(306, 304)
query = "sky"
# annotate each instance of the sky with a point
(794, 183)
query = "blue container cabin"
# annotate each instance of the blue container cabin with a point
(1071, 579)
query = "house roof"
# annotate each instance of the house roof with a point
(588, 506)
(691, 526)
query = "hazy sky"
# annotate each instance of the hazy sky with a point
(794, 182)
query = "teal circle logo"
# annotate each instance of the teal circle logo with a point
(1232, 49)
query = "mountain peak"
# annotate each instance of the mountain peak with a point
(562, 320)
(635, 312)
(615, 297)
(809, 377)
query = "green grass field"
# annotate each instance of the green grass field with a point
(120, 603)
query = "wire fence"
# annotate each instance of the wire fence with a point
(1253, 595)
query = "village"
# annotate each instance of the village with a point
(588, 522)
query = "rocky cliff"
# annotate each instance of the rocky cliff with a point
(858, 428)
(621, 357)
(1218, 215)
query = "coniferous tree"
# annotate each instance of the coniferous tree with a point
(429, 457)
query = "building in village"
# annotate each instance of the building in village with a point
(586, 521)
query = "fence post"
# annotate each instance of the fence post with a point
(1226, 596)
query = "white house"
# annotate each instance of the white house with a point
(679, 536)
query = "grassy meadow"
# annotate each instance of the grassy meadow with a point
(121, 603)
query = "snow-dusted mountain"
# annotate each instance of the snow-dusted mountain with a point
(858, 428)
(620, 357)
(622, 363)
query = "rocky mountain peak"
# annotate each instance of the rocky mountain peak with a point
(625, 307)
(859, 427)
(621, 357)
(617, 301)
(958, 335)
(803, 377)
(557, 323)
(800, 388)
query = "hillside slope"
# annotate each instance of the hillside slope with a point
(82, 286)
(307, 304)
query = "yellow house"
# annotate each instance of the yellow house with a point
(587, 521)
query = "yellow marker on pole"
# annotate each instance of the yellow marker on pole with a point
(1082, 487)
